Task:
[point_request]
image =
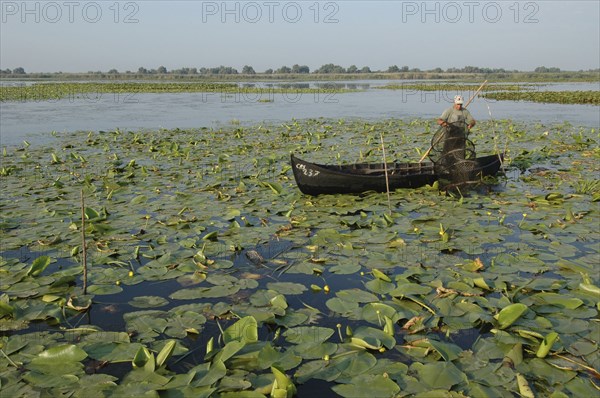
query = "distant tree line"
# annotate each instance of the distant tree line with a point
(299, 69)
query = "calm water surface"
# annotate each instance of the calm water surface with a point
(32, 121)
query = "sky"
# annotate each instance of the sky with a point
(81, 36)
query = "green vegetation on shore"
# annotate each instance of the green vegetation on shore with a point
(507, 76)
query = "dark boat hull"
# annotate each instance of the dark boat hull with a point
(316, 179)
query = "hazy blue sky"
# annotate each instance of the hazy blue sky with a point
(80, 36)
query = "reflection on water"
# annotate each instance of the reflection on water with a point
(33, 121)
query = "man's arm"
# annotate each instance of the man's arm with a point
(443, 120)
(470, 121)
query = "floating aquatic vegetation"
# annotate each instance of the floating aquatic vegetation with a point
(94, 91)
(210, 274)
(457, 87)
(560, 97)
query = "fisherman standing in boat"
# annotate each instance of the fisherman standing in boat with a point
(457, 115)
(450, 142)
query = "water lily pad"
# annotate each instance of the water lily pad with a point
(448, 351)
(367, 385)
(367, 333)
(244, 330)
(60, 354)
(308, 334)
(112, 351)
(39, 265)
(374, 313)
(104, 289)
(509, 314)
(148, 302)
(205, 292)
(287, 288)
(144, 359)
(50, 381)
(557, 300)
(315, 350)
(442, 375)
(357, 295)
(407, 289)
(340, 306)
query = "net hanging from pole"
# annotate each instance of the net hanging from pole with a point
(454, 157)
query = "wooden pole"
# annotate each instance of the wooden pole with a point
(387, 181)
(84, 249)
(476, 92)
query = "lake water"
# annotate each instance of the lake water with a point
(32, 121)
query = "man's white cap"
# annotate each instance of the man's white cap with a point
(458, 99)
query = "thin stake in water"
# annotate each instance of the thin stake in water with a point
(387, 181)
(84, 250)
(495, 137)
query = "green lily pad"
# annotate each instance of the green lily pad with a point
(440, 375)
(557, 300)
(148, 302)
(39, 265)
(61, 353)
(367, 385)
(448, 351)
(205, 292)
(112, 351)
(509, 314)
(244, 330)
(366, 333)
(340, 306)
(308, 334)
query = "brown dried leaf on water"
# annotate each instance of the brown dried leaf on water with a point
(111, 308)
(250, 275)
(524, 388)
(473, 266)
(79, 304)
(412, 321)
(478, 262)
(284, 229)
(443, 292)
(50, 241)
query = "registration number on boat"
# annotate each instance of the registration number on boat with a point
(307, 171)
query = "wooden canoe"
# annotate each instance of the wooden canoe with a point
(316, 179)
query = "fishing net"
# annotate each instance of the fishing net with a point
(453, 156)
